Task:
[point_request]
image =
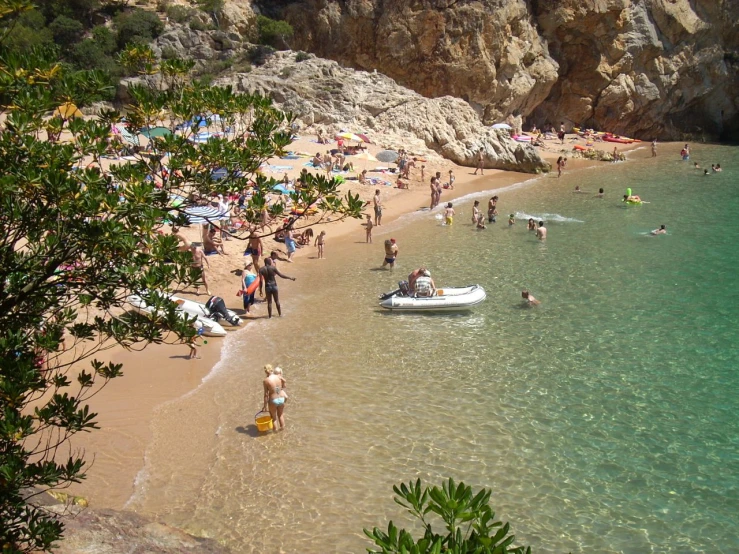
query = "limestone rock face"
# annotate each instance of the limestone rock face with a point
(322, 93)
(644, 67)
(640, 67)
(486, 52)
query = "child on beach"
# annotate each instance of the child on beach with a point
(511, 220)
(320, 243)
(193, 345)
(368, 224)
(449, 214)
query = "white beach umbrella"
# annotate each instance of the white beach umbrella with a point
(204, 214)
(502, 126)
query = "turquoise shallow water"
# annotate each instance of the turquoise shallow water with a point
(604, 420)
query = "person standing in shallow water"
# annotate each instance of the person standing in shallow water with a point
(268, 274)
(377, 200)
(654, 148)
(274, 399)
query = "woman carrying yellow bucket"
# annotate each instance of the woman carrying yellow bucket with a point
(274, 396)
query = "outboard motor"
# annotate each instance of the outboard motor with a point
(217, 308)
(405, 289)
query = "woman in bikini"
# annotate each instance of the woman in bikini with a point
(273, 398)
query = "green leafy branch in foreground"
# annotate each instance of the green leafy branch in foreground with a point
(468, 519)
(76, 241)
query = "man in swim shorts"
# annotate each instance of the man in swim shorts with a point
(268, 274)
(377, 200)
(391, 253)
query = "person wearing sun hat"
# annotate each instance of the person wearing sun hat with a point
(391, 253)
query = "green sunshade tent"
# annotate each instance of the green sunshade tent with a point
(155, 132)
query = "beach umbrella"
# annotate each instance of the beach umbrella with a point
(349, 136)
(204, 214)
(150, 132)
(364, 137)
(387, 156)
(364, 156)
(67, 111)
(282, 189)
(502, 126)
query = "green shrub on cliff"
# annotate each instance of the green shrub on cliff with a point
(274, 33)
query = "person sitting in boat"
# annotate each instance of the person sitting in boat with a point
(413, 277)
(632, 198)
(424, 285)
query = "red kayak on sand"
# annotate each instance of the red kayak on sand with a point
(620, 140)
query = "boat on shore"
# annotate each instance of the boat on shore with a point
(445, 299)
(210, 328)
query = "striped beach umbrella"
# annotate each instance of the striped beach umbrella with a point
(204, 214)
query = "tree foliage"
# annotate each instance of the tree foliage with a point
(66, 31)
(75, 242)
(469, 524)
(138, 26)
(274, 32)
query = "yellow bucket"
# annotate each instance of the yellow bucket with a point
(263, 421)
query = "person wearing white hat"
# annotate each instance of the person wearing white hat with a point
(425, 285)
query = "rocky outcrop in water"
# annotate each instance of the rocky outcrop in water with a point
(322, 93)
(641, 67)
(117, 532)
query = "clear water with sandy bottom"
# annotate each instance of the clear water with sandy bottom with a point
(604, 420)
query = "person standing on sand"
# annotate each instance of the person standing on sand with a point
(289, 243)
(439, 187)
(615, 153)
(432, 185)
(541, 232)
(320, 243)
(391, 253)
(254, 249)
(274, 400)
(268, 274)
(480, 162)
(247, 278)
(654, 148)
(450, 184)
(198, 257)
(368, 228)
(377, 200)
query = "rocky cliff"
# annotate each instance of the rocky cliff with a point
(664, 68)
(322, 93)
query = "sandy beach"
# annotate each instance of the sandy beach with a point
(127, 406)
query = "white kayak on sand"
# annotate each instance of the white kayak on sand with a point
(445, 299)
(210, 328)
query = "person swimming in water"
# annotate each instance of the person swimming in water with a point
(661, 231)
